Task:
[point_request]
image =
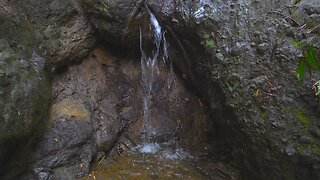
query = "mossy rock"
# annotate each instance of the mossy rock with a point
(24, 87)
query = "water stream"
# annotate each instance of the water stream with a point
(151, 60)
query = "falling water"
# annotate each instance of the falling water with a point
(150, 63)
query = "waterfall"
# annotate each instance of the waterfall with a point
(151, 60)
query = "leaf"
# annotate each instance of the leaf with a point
(311, 57)
(296, 43)
(300, 70)
(210, 43)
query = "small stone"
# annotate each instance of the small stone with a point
(287, 100)
(289, 150)
(276, 124)
(175, 20)
(43, 175)
(220, 56)
(259, 80)
(262, 48)
(24, 64)
(237, 49)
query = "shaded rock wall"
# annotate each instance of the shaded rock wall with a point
(97, 105)
(24, 86)
(238, 55)
(235, 54)
(61, 27)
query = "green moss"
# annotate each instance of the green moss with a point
(19, 30)
(263, 115)
(299, 114)
(208, 42)
(302, 118)
(309, 148)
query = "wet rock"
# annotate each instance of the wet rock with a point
(61, 27)
(220, 56)
(69, 143)
(262, 48)
(68, 108)
(311, 9)
(229, 97)
(98, 102)
(170, 110)
(260, 80)
(276, 124)
(118, 21)
(24, 89)
(289, 150)
(66, 148)
(232, 26)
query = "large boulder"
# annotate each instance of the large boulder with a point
(115, 20)
(66, 148)
(254, 65)
(61, 27)
(238, 55)
(24, 86)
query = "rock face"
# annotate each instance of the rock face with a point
(97, 105)
(68, 146)
(239, 57)
(65, 149)
(60, 26)
(24, 86)
(172, 105)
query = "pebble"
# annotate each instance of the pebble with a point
(220, 56)
(262, 48)
(259, 80)
(276, 124)
(289, 150)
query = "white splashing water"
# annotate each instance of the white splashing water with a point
(175, 154)
(148, 148)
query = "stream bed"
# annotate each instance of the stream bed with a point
(164, 164)
(139, 166)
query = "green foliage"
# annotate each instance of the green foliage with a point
(208, 41)
(308, 61)
(303, 119)
(263, 115)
